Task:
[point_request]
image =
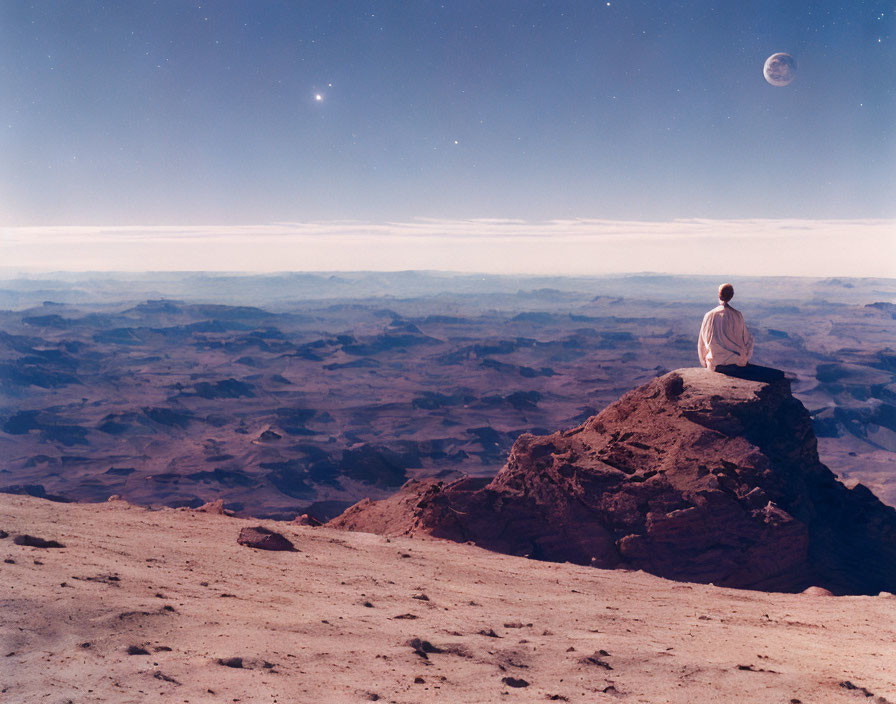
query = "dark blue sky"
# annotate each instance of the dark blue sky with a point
(205, 112)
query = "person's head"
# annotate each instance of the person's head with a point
(726, 292)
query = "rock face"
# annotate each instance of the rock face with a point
(695, 476)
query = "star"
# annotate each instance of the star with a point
(318, 97)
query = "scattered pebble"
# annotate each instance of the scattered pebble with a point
(514, 682)
(595, 660)
(165, 678)
(423, 647)
(231, 662)
(861, 690)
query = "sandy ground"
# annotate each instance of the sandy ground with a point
(336, 622)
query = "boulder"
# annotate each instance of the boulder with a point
(695, 476)
(33, 541)
(261, 538)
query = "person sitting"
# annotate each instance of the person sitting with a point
(724, 340)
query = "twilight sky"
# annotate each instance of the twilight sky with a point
(251, 113)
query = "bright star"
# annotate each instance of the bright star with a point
(318, 97)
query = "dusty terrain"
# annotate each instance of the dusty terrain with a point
(336, 622)
(338, 388)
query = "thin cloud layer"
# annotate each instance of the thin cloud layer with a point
(572, 246)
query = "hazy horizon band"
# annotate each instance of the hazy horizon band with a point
(753, 247)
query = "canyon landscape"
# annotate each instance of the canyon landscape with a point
(281, 405)
(349, 352)
(524, 502)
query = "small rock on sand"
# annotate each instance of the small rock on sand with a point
(261, 538)
(231, 662)
(423, 647)
(817, 591)
(596, 660)
(35, 542)
(514, 682)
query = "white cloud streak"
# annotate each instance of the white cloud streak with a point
(572, 246)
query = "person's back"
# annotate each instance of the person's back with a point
(724, 338)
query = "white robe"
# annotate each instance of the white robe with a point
(724, 338)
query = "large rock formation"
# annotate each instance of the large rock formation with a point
(695, 476)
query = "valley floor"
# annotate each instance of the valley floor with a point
(354, 617)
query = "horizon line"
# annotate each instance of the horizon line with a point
(573, 246)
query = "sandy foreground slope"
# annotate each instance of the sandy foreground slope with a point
(336, 622)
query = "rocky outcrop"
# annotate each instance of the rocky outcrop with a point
(695, 476)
